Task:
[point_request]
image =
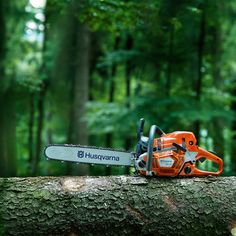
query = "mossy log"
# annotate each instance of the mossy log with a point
(118, 205)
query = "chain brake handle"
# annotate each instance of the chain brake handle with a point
(153, 131)
(139, 137)
(210, 156)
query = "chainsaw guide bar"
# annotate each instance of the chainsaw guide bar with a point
(89, 155)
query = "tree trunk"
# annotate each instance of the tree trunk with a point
(198, 88)
(111, 92)
(128, 68)
(38, 146)
(7, 134)
(218, 122)
(41, 100)
(111, 95)
(79, 78)
(77, 43)
(129, 46)
(31, 128)
(71, 71)
(81, 89)
(233, 127)
(7, 107)
(170, 62)
(118, 205)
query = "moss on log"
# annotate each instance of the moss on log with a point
(118, 205)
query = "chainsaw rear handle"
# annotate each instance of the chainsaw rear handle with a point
(153, 131)
(209, 156)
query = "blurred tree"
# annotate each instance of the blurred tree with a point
(70, 72)
(200, 65)
(44, 73)
(7, 102)
(112, 89)
(215, 29)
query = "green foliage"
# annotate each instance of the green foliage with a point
(144, 62)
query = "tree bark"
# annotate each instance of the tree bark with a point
(118, 205)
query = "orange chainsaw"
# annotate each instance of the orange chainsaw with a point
(173, 154)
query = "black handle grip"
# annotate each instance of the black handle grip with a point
(140, 128)
(153, 131)
(179, 147)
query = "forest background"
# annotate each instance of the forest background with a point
(85, 72)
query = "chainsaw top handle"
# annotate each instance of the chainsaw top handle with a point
(153, 131)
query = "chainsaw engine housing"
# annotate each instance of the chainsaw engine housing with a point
(172, 154)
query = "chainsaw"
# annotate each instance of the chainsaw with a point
(172, 154)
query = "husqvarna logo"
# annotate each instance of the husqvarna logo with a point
(80, 154)
(166, 162)
(83, 154)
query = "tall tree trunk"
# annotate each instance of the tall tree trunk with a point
(118, 205)
(218, 123)
(41, 99)
(72, 38)
(7, 106)
(81, 89)
(7, 134)
(73, 47)
(128, 68)
(198, 88)
(233, 136)
(111, 94)
(48, 128)
(79, 72)
(170, 62)
(111, 91)
(31, 128)
(80, 82)
(40, 120)
(233, 129)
